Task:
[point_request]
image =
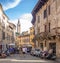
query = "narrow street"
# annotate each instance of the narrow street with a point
(24, 59)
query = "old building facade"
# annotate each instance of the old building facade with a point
(32, 36)
(46, 23)
(23, 40)
(6, 30)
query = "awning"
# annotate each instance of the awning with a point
(27, 45)
(12, 44)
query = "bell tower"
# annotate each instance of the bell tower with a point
(18, 27)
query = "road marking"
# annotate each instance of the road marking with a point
(15, 60)
(28, 60)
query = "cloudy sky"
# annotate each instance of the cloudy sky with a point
(19, 9)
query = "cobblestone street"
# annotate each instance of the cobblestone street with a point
(24, 59)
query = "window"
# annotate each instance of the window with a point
(7, 36)
(31, 33)
(38, 30)
(49, 27)
(26, 40)
(49, 9)
(3, 25)
(0, 21)
(3, 17)
(41, 46)
(45, 28)
(38, 19)
(58, 3)
(3, 35)
(45, 13)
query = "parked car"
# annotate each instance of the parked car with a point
(32, 52)
(37, 52)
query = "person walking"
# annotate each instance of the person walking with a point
(23, 49)
(26, 50)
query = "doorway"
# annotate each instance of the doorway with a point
(41, 46)
(53, 46)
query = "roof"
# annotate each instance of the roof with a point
(3, 11)
(12, 24)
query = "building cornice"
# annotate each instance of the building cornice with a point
(3, 11)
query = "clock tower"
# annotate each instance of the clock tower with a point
(18, 27)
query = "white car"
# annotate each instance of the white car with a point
(37, 52)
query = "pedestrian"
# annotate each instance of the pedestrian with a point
(21, 50)
(25, 49)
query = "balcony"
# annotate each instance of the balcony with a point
(41, 36)
(55, 31)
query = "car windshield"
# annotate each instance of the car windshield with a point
(37, 49)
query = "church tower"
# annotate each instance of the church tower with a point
(18, 27)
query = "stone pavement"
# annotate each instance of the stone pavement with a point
(17, 58)
(58, 60)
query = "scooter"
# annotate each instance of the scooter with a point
(51, 56)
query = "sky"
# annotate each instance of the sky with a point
(19, 9)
